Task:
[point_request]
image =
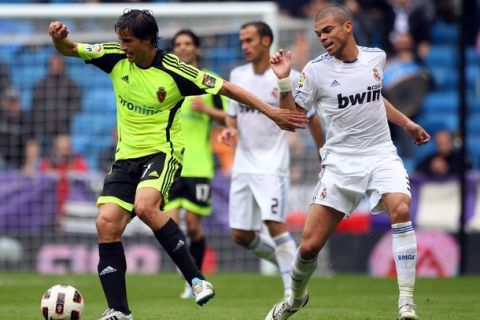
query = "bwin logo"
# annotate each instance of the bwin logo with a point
(373, 94)
(406, 257)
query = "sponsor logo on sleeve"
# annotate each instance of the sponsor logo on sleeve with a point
(208, 81)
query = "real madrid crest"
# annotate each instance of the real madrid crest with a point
(376, 74)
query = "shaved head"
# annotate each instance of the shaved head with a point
(339, 13)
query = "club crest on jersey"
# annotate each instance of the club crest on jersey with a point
(376, 74)
(275, 92)
(208, 81)
(161, 94)
(323, 194)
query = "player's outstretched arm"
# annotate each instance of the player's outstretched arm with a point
(285, 119)
(419, 135)
(59, 33)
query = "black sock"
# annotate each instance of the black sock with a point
(197, 249)
(173, 241)
(111, 271)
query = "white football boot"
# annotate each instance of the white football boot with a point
(202, 291)
(112, 314)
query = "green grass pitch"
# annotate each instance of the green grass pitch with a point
(249, 297)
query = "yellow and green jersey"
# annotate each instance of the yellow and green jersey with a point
(196, 129)
(149, 99)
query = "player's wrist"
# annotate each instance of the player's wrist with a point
(285, 84)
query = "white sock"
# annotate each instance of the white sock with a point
(302, 271)
(263, 248)
(404, 248)
(285, 252)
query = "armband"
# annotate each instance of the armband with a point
(285, 84)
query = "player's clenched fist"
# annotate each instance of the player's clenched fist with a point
(58, 30)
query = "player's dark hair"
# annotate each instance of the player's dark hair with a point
(188, 32)
(340, 13)
(262, 28)
(140, 23)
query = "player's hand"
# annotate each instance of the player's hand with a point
(281, 63)
(288, 119)
(228, 136)
(58, 30)
(197, 104)
(419, 135)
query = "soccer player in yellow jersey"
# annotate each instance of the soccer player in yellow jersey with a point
(192, 190)
(150, 86)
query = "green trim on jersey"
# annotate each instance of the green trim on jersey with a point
(196, 130)
(149, 100)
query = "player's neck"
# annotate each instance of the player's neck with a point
(148, 59)
(350, 54)
(260, 67)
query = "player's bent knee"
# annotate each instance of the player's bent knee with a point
(107, 229)
(242, 239)
(401, 213)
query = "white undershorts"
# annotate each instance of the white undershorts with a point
(345, 179)
(255, 198)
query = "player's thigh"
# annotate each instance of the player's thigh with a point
(270, 194)
(242, 210)
(157, 171)
(341, 185)
(388, 177)
(119, 187)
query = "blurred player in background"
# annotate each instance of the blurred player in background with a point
(150, 86)
(260, 171)
(192, 190)
(358, 158)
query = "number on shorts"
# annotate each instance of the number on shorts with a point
(274, 206)
(201, 191)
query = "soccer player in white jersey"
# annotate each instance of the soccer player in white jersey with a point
(260, 172)
(358, 157)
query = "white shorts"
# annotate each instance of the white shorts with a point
(345, 179)
(255, 198)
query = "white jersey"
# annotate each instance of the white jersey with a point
(262, 147)
(348, 99)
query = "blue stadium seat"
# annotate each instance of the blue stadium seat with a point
(474, 103)
(444, 33)
(444, 77)
(99, 101)
(473, 125)
(435, 122)
(473, 149)
(473, 58)
(442, 55)
(88, 77)
(91, 135)
(440, 102)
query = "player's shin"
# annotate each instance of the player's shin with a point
(263, 248)
(112, 267)
(173, 241)
(404, 248)
(285, 252)
(302, 271)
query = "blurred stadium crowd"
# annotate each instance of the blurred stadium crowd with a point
(57, 115)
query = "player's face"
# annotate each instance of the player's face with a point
(185, 49)
(138, 51)
(254, 48)
(333, 35)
